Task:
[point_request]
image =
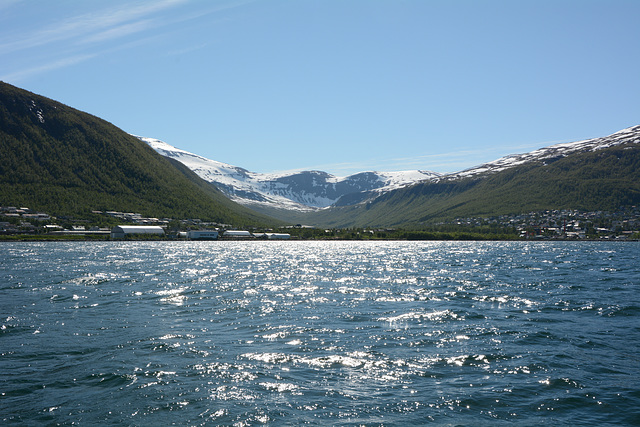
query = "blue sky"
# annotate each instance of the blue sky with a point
(336, 85)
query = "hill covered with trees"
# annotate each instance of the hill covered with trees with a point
(603, 179)
(67, 162)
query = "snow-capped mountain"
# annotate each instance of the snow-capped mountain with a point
(313, 190)
(599, 174)
(302, 191)
(549, 154)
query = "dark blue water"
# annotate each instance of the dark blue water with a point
(327, 333)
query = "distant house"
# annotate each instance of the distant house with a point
(202, 234)
(120, 231)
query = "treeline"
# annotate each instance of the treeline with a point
(445, 232)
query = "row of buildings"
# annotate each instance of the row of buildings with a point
(123, 231)
(549, 224)
(22, 220)
(565, 224)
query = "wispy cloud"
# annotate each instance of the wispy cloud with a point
(446, 162)
(187, 49)
(440, 162)
(50, 66)
(4, 4)
(77, 37)
(120, 31)
(84, 36)
(83, 27)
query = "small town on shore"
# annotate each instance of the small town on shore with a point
(17, 222)
(23, 221)
(566, 224)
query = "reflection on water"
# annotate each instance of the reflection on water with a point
(319, 332)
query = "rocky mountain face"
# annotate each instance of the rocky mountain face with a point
(301, 191)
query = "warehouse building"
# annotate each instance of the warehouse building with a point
(202, 235)
(237, 234)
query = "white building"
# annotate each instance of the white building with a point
(120, 231)
(202, 234)
(237, 234)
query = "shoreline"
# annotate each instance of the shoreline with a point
(77, 238)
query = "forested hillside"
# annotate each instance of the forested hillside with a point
(57, 159)
(601, 180)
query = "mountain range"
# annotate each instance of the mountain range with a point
(600, 174)
(67, 162)
(594, 174)
(302, 191)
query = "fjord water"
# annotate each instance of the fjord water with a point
(338, 333)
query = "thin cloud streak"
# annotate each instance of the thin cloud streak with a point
(120, 31)
(445, 163)
(82, 26)
(99, 27)
(187, 49)
(61, 63)
(465, 158)
(4, 4)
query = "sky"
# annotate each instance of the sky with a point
(341, 86)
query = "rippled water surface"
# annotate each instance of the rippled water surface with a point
(339, 333)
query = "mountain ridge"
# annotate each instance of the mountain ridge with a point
(550, 153)
(65, 161)
(302, 191)
(68, 162)
(600, 174)
(282, 205)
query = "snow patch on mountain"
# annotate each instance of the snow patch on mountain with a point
(302, 191)
(550, 153)
(237, 183)
(313, 190)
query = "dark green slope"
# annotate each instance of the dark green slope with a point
(605, 179)
(66, 162)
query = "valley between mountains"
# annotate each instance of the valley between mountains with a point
(594, 174)
(303, 191)
(68, 163)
